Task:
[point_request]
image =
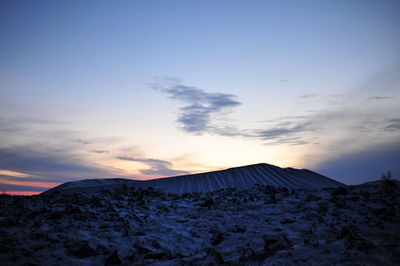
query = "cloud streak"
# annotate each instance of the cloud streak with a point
(277, 132)
(157, 167)
(200, 106)
(379, 98)
(198, 115)
(100, 151)
(42, 164)
(307, 96)
(393, 124)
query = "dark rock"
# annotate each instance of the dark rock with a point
(312, 197)
(247, 254)
(141, 202)
(346, 231)
(340, 191)
(72, 210)
(155, 255)
(390, 184)
(155, 244)
(15, 257)
(162, 208)
(113, 259)
(26, 253)
(9, 222)
(194, 234)
(207, 203)
(38, 247)
(55, 215)
(215, 256)
(287, 221)
(239, 229)
(101, 249)
(271, 199)
(365, 194)
(274, 243)
(322, 208)
(141, 249)
(40, 235)
(4, 249)
(30, 264)
(360, 244)
(217, 239)
(81, 249)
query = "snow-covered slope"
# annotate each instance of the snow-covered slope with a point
(239, 177)
(242, 178)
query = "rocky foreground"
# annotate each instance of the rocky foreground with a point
(264, 225)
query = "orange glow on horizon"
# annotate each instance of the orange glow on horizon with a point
(21, 193)
(29, 184)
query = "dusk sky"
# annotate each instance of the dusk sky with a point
(146, 89)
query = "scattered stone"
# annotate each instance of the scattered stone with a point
(340, 191)
(30, 264)
(355, 224)
(155, 244)
(26, 253)
(155, 255)
(274, 243)
(140, 249)
(101, 249)
(239, 229)
(217, 239)
(194, 234)
(287, 221)
(113, 259)
(81, 249)
(4, 248)
(207, 203)
(215, 256)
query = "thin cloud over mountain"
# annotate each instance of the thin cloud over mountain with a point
(157, 167)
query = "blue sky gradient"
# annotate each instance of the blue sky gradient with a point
(199, 86)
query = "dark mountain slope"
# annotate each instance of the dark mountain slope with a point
(239, 177)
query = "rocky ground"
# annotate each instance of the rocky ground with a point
(358, 225)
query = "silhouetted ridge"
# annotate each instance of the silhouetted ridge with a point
(237, 177)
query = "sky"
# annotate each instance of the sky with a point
(148, 89)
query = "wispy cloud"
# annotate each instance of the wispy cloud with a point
(291, 141)
(200, 106)
(36, 167)
(286, 133)
(343, 117)
(13, 174)
(307, 96)
(100, 151)
(48, 165)
(282, 131)
(157, 167)
(393, 124)
(198, 115)
(379, 98)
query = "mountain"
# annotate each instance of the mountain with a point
(238, 177)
